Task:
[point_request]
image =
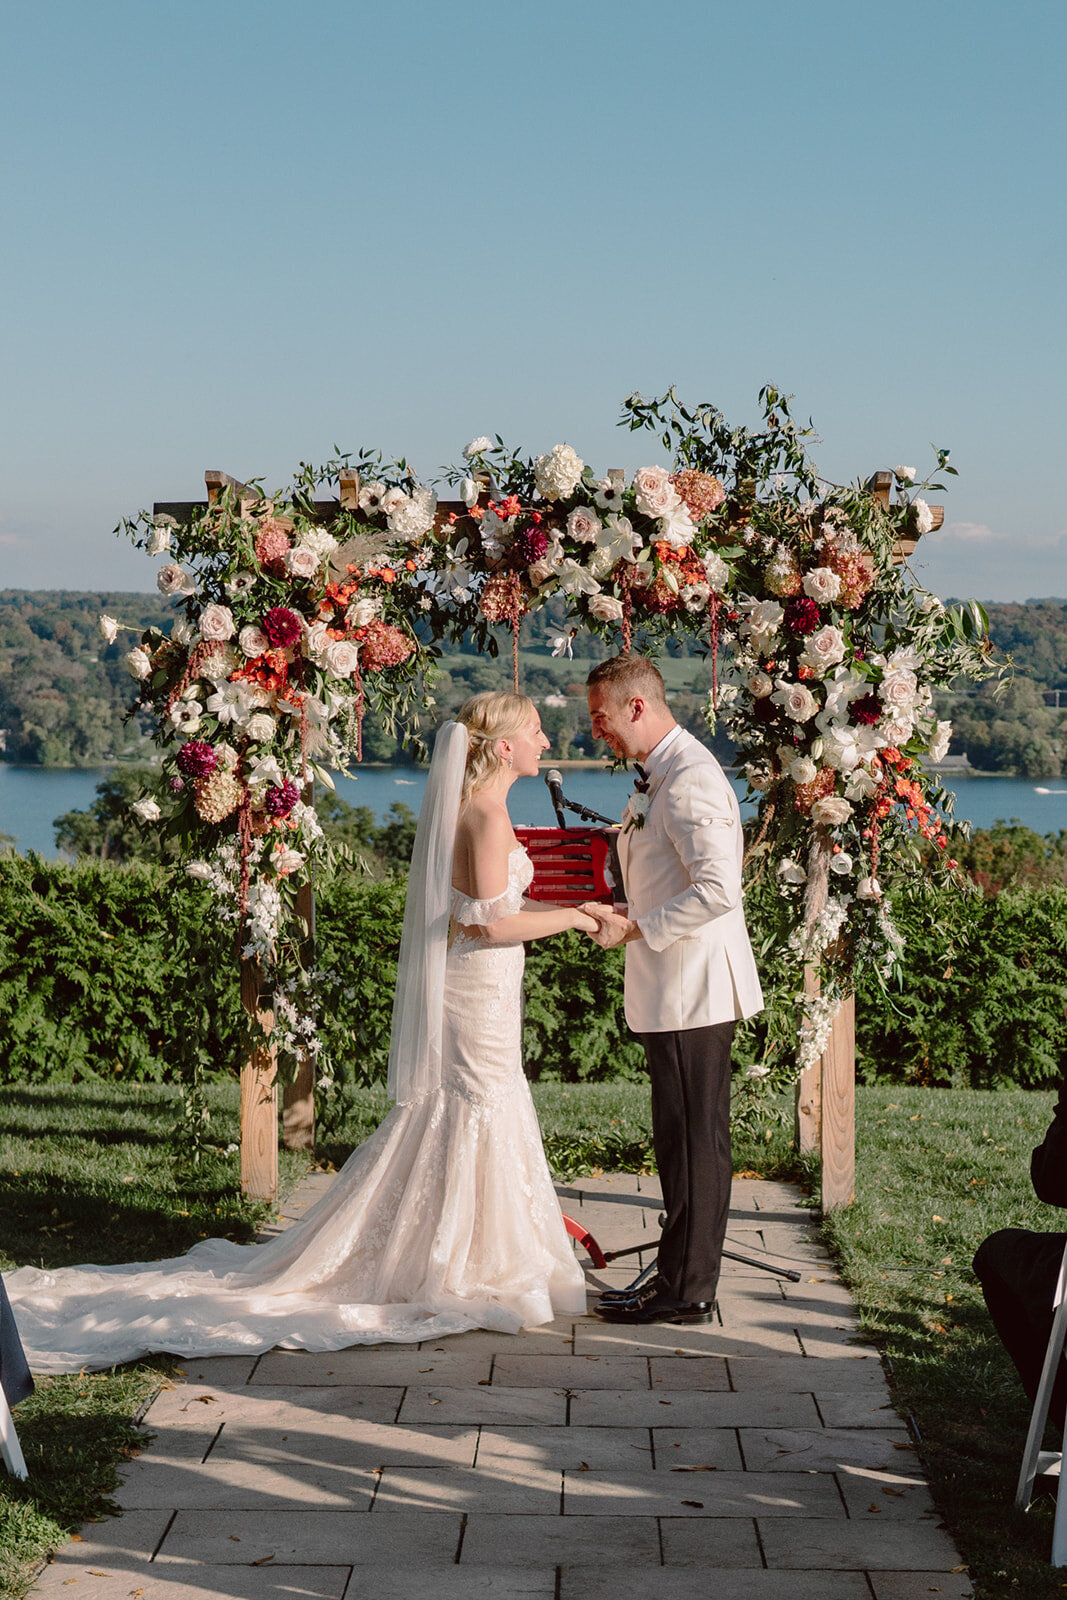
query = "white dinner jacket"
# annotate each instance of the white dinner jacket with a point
(693, 965)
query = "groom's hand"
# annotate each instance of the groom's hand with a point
(613, 929)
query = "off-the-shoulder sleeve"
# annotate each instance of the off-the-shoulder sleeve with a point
(479, 913)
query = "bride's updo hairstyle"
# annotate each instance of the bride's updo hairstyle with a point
(488, 717)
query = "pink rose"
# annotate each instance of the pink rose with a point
(253, 641)
(605, 608)
(583, 524)
(301, 562)
(341, 657)
(217, 624)
(656, 495)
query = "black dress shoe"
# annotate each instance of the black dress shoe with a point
(640, 1286)
(655, 1308)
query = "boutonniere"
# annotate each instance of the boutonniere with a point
(637, 806)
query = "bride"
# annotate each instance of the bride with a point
(446, 1218)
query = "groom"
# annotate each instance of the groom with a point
(690, 974)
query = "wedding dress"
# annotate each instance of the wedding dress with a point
(444, 1220)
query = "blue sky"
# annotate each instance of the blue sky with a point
(237, 233)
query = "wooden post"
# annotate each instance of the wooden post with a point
(879, 485)
(298, 1097)
(259, 1098)
(839, 1110)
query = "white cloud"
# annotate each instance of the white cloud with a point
(968, 531)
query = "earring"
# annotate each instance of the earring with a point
(510, 760)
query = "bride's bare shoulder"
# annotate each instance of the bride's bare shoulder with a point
(484, 840)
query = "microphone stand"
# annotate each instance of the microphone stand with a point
(559, 800)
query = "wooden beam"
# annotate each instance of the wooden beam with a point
(839, 1111)
(217, 482)
(259, 1098)
(878, 486)
(349, 485)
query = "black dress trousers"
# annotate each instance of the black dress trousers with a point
(690, 1074)
(1018, 1271)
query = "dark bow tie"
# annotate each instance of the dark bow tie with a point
(641, 781)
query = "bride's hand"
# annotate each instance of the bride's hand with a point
(583, 922)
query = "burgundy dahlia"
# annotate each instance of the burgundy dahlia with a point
(802, 616)
(196, 759)
(281, 798)
(866, 710)
(528, 546)
(281, 626)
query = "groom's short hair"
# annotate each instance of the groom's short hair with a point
(626, 675)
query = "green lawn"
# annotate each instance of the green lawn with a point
(92, 1173)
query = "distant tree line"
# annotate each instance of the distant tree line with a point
(65, 694)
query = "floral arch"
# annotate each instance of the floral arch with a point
(295, 614)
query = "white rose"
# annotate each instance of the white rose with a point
(924, 517)
(558, 474)
(541, 571)
(716, 570)
(477, 446)
(605, 608)
(824, 649)
(796, 700)
(469, 491)
(583, 524)
(763, 622)
(831, 811)
(803, 770)
(822, 584)
(287, 861)
(899, 690)
(868, 889)
(791, 872)
(940, 742)
(656, 494)
(158, 541)
(253, 641)
(217, 624)
(181, 631)
(760, 685)
(138, 663)
(896, 730)
(841, 863)
(109, 629)
(360, 612)
(146, 810)
(200, 870)
(261, 726)
(341, 657)
(172, 580)
(301, 562)
(905, 474)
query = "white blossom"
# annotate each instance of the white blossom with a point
(841, 863)
(831, 811)
(904, 474)
(559, 473)
(940, 742)
(146, 810)
(477, 446)
(109, 629)
(924, 517)
(138, 663)
(822, 584)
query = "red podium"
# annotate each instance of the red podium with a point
(573, 864)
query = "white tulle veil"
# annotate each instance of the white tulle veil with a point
(418, 1006)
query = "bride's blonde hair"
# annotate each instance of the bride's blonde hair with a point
(496, 714)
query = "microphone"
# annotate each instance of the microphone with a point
(554, 780)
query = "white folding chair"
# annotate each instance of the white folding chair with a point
(1036, 1460)
(10, 1449)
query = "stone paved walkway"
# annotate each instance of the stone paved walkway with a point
(756, 1459)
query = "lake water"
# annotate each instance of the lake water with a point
(31, 798)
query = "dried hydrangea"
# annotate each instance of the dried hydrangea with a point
(217, 796)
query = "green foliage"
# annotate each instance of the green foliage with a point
(982, 997)
(574, 1028)
(1009, 853)
(1011, 729)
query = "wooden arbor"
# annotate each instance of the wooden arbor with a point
(825, 1114)
(825, 1095)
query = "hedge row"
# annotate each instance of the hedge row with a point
(95, 980)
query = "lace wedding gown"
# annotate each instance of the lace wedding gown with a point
(444, 1220)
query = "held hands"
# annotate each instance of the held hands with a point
(611, 928)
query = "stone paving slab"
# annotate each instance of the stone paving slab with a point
(694, 1583)
(717, 1494)
(298, 1537)
(752, 1458)
(600, 1408)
